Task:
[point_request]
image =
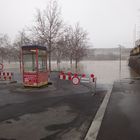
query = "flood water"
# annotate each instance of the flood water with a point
(105, 71)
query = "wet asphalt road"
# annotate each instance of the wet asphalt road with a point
(58, 112)
(122, 117)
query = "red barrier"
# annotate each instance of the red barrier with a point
(74, 77)
(6, 76)
(80, 78)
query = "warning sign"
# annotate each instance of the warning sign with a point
(75, 80)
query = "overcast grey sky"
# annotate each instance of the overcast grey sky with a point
(108, 22)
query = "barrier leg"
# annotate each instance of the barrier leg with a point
(93, 87)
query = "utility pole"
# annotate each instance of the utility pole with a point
(120, 47)
(134, 35)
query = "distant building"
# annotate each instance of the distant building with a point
(107, 54)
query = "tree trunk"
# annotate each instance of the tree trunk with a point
(76, 65)
(49, 61)
(58, 64)
(9, 61)
(71, 64)
(2, 59)
(50, 55)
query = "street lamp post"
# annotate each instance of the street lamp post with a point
(120, 61)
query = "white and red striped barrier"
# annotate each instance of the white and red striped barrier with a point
(6, 76)
(77, 78)
(64, 76)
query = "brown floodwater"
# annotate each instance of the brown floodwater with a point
(105, 71)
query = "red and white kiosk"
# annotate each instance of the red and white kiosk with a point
(34, 65)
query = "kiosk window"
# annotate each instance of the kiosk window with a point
(42, 61)
(29, 62)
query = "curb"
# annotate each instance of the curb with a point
(96, 123)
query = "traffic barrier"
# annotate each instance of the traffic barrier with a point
(83, 77)
(88, 79)
(64, 76)
(6, 76)
(79, 78)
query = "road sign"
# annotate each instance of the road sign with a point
(75, 80)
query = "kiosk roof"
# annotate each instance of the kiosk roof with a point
(34, 47)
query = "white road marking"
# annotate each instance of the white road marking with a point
(95, 126)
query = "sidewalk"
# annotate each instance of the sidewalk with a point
(122, 117)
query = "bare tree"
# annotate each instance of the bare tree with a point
(4, 46)
(47, 26)
(60, 50)
(76, 44)
(21, 39)
(80, 44)
(69, 44)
